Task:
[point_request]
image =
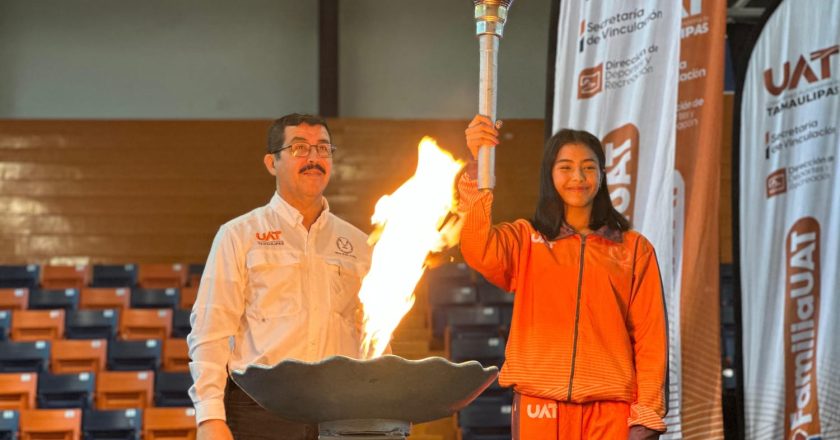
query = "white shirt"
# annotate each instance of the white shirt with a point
(272, 290)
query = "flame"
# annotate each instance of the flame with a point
(410, 223)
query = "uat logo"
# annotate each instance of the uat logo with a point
(621, 147)
(269, 236)
(802, 311)
(591, 81)
(691, 8)
(777, 183)
(816, 67)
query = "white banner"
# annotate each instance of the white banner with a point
(617, 72)
(790, 225)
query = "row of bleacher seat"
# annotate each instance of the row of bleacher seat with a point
(130, 324)
(151, 275)
(104, 390)
(473, 317)
(123, 424)
(97, 298)
(95, 355)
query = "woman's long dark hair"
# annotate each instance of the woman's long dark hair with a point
(550, 214)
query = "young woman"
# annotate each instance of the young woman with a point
(587, 354)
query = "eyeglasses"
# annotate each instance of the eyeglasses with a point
(302, 149)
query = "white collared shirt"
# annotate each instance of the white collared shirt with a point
(272, 290)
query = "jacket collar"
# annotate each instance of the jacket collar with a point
(605, 231)
(291, 215)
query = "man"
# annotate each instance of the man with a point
(280, 282)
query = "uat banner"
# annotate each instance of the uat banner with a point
(790, 225)
(647, 78)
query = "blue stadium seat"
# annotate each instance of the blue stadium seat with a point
(155, 298)
(491, 294)
(475, 315)
(171, 389)
(9, 424)
(18, 357)
(24, 275)
(181, 323)
(74, 390)
(91, 324)
(5, 324)
(114, 275)
(134, 355)
(482, 344)
(488, 413)
(119, 424)
(50, 299)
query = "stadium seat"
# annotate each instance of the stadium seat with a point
(9, 424)
(168, 298)
(161, 276)
(475, 315)
(33, 357)
(124, 389)
(50, 424)
(140, 324)
(486, 412)
(194, 272)
(73, 390)
(5, 324)
(71, 356)
(188, 296)
(37, 325)
(25, 275)
(171, 389)
(65, 277)
(16, 298)
(485, 345)
(134, 355)
(489, 294)
(115, 424)
(181, 323)
(91, 324)
(105, 298)
(176, 355)
(169, 424)
(114, 275)
(53, 299)
(18, 390)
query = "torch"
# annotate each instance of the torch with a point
(490, 17)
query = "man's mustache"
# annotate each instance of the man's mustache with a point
(312, 166)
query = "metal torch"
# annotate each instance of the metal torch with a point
(490, 17)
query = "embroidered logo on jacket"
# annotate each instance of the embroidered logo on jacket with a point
(344, 246)
(269, 238)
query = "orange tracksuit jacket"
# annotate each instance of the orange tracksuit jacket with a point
(589, 321)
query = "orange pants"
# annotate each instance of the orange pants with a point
(543, 419)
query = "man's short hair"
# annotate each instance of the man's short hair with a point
(276, 134)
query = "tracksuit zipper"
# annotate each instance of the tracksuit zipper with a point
(577, 316)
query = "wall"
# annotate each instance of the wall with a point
(161, 59)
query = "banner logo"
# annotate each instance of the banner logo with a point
(802, 307)
(789, 81)
(777, 183)
(591, 81)
(621, 147)
(691, 8)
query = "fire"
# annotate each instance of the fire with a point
(410, 223)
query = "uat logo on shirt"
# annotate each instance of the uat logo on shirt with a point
(815, 67)
(777, 183)
(802, 311)
(269, 235)
(591, 81)
(621, 147)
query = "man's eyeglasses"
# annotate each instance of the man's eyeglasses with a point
(302, 149)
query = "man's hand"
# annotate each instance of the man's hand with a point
(482, 133)
(639, 432)
(213, 429)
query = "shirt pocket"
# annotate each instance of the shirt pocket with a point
(345, 280)
(275, 284)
